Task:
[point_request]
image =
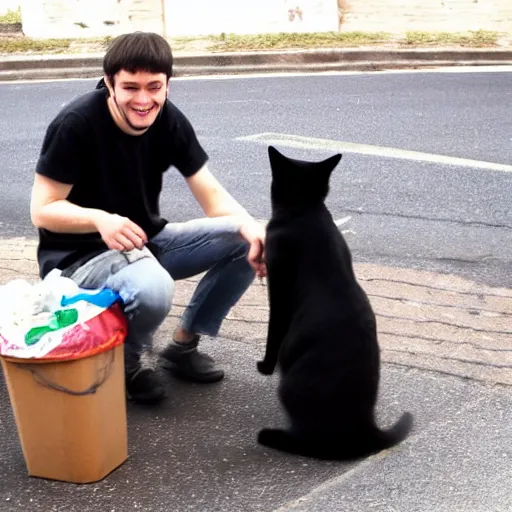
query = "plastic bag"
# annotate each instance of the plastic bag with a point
(56, 320)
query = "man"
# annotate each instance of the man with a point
(95, 201)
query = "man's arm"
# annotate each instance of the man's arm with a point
(216, 201)
(213, 198)
(50, 209)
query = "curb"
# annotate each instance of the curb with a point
(317, 60)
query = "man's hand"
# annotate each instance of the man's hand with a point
(217, 202)
(254, 233)
(120, 233)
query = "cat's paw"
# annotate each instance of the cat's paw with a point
(266, 435)
(264, 368)
(274, 438)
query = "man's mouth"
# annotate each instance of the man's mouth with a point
(142, 111)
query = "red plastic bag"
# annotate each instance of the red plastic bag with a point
(102, 330)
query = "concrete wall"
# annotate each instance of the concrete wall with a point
(89, 18)
(244, 17)
(429, 15)
(94, 18)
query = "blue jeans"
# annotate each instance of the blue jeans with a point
(146, 283)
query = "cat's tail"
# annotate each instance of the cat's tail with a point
(379, 440)
(367, 442)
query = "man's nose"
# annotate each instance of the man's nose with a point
(143, 96)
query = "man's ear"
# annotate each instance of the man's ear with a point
(110, 86)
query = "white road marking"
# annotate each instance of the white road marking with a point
(342, 221)
(299, 142)
(305, 73)
(26, 81)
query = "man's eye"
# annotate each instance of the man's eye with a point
(131, 88)
(156, 88)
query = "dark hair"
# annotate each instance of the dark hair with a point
(138, 51)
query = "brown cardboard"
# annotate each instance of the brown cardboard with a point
(67, 437)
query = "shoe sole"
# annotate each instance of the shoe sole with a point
(177, 372)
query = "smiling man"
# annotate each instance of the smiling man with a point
(95, 202)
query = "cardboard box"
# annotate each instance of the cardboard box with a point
(71, 415)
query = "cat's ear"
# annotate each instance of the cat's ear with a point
(278, 162)
(330, 164)
(275, 156)
(272, 151)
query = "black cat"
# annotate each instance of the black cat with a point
(322, 329)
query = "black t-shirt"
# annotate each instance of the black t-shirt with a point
(111, 170)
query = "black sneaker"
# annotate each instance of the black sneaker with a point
(187, 363)
(144, 387)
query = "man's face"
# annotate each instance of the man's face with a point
(140, 96)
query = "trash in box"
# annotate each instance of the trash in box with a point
(57, 320)
(61, 350)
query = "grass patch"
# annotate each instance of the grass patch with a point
(25, 45)
(476, 39)
(11, 17)
(233, 42)
(52, 46)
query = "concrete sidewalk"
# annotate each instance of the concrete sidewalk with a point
(447, 352)
(39, 67)
(429, 321)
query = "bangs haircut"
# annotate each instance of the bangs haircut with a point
(138, 51)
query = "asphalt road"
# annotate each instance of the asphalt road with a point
(403, 212)
(197, 451)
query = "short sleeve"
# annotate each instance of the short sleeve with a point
(62, 154)
(188, 156)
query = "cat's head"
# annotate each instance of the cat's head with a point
(299, 184)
